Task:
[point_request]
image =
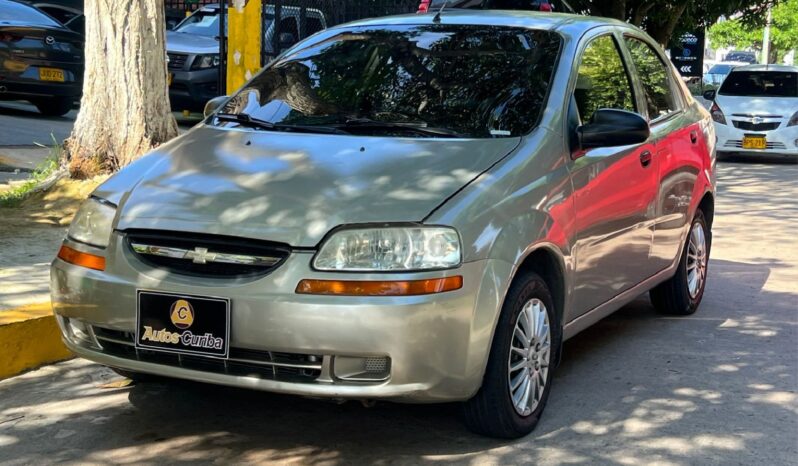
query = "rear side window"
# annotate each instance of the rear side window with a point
(602, 81)
(653, 74)
(760, 84)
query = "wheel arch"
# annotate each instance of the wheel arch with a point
(707, 206)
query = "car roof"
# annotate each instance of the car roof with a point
(778, 68)
(568, 24)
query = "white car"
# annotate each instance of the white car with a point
(756, 111)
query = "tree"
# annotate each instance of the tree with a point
(666, 19)
(124, 111)
(740, 34)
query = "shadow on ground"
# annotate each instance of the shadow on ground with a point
(637, 386)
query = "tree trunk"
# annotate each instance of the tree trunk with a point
(640, 13)
(124, 111)
(663, 31)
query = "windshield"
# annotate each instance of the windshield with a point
(475, 81)
(721, 69)
(203, 22)
(760, 84)
(17, 13)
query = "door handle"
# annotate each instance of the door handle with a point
(645, 158)
(693, 137)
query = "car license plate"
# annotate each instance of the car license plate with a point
(183, 324)
(51, 74)
(754, 142)
(169, 77)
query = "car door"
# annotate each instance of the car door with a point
(614, 187)
(679, 148)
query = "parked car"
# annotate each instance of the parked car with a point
(718, 72)
(193, 51)
(42, 61)
(404, 209)
(741, 56)
(756, 111)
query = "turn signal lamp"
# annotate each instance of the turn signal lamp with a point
(379, 288)
(83, 259)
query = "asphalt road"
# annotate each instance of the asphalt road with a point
(718, 387)
(22, 125)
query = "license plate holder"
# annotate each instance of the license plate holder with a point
(51, 74)
(183, 324)
(754, 142)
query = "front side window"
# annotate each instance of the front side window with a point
(602, 81)
(760, 84)
(660, 99)
(471, 81)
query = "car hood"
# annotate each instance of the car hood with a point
(293, 188)
(190, 43)
(784, 106)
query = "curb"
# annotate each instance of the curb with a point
(29, 338)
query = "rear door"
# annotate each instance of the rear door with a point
(679, 147)
(614, 187)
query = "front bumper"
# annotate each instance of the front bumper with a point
(437, 344)
(781, 141)
(191, 90)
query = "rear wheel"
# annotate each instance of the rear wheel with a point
(682, 294)
(518, 377)
(55, 106)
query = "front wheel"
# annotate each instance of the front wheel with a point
(518, 377)
(682, 294)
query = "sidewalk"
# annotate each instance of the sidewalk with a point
(30, 236)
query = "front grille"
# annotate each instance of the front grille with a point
(749, 126)
(738, 143)
(269, 365)
(211, 256)
(177, 60)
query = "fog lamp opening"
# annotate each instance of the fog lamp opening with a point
(379, 288)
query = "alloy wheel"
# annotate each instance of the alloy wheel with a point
(696, 260)
(530, 351)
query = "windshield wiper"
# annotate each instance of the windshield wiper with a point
(416, 127)
(245, 119)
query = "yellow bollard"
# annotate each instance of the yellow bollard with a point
(243, 42)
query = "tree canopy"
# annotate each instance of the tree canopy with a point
(665, 19)
(742, 34)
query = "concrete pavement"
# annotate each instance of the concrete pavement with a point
(718, 387)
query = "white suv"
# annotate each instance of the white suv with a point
(756, 110)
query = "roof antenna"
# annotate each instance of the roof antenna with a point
(437, 18)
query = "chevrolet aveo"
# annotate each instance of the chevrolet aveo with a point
(417, 208)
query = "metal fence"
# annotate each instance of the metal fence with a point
(286, 22)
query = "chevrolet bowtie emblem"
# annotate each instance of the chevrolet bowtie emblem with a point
(201, 256)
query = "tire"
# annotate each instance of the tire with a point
(56, 106)
(677, 296)
(492, 411)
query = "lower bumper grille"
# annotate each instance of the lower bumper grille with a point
(270, 365)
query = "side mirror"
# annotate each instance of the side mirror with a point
(610, 127)
(287, 40)
(213, 105)
(710, 95)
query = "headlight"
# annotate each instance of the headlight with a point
(203, 62)
(794, 120)
(395, 249)
(92, 223)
